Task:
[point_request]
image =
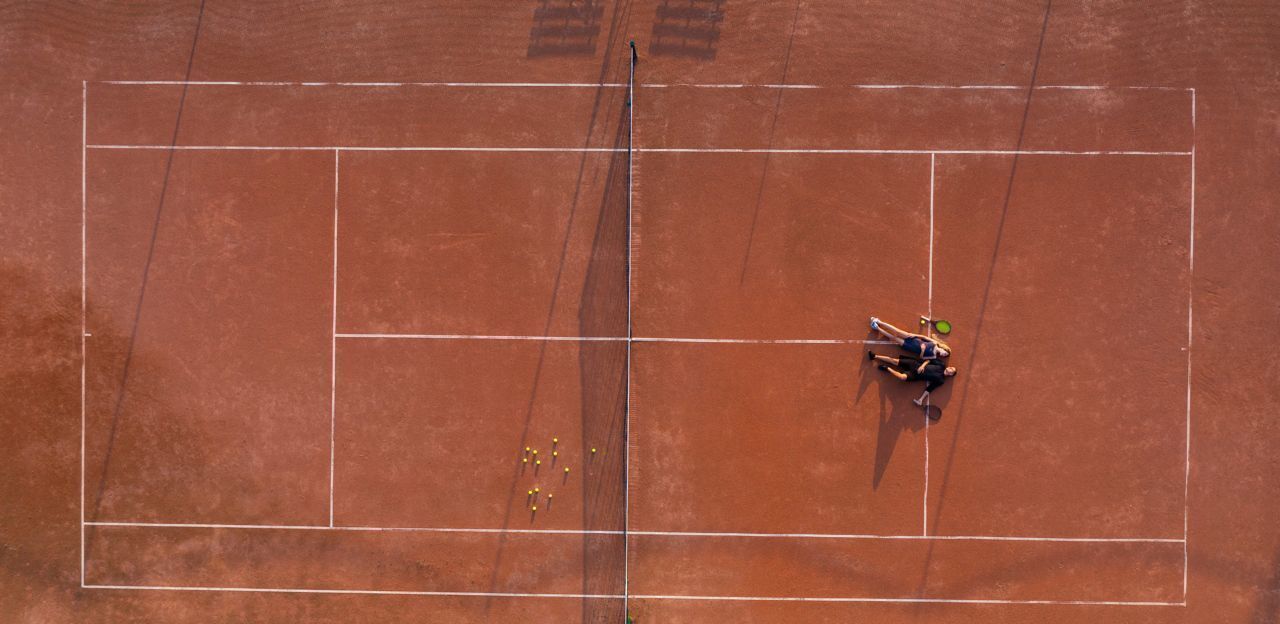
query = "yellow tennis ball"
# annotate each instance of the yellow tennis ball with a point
(535, 451)
(593, 449)
(536, 490)
(555, 440)
(524, 460)
(535, 507)
(530, 492)
(566, 469)
(538, 462)
(555, 453)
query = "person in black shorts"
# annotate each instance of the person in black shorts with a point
(908, 368)
(919, 346)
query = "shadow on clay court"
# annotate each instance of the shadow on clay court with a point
(687, 28)
(565, 28)
(1267, 610)
(152, 423)
(773, 125)
(121, 393)
(37, 313)
(603, 313)
(897, 412)
(155, 418)
(604, 378)
(971, 364)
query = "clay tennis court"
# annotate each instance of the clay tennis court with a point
(459, 314)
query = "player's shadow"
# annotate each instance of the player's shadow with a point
(897, 411)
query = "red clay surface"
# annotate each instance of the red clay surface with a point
(213, 404)
(410, 447)
(1089, 287)
(718, 253)
(908, 119)
(802, 418)
(223, 395)
(472, 243)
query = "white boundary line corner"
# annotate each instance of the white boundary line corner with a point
(630, 338)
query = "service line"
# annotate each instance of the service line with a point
(817, 341)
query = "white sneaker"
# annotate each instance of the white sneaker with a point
(875, 323)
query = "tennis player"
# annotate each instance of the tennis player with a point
(908, 368)
(918, 345)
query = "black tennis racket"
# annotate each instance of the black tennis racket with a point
(932, 412)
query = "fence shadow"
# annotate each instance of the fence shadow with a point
(565, 28)
(602, 311)
(687, 28)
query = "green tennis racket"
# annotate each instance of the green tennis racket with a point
(939, 325)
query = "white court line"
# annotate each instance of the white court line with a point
(358, 529)
(270, 83)
(676, 85)
(1191, 266)
(974, 601)
(384, 592)
(924, 526)
(749, 150)
(1023, 87)
(1191, 153)
(485, 337)
(354, 148)
(1105, 88)
(708, 534)
(619, 85)
(820, 341)
(333, 341)
(374, 592)
(956, 538)
(655, 150)
(950, 87)
(834, 341)
(84, 305)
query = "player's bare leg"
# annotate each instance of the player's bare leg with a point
(889, 331)
(885, 359)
